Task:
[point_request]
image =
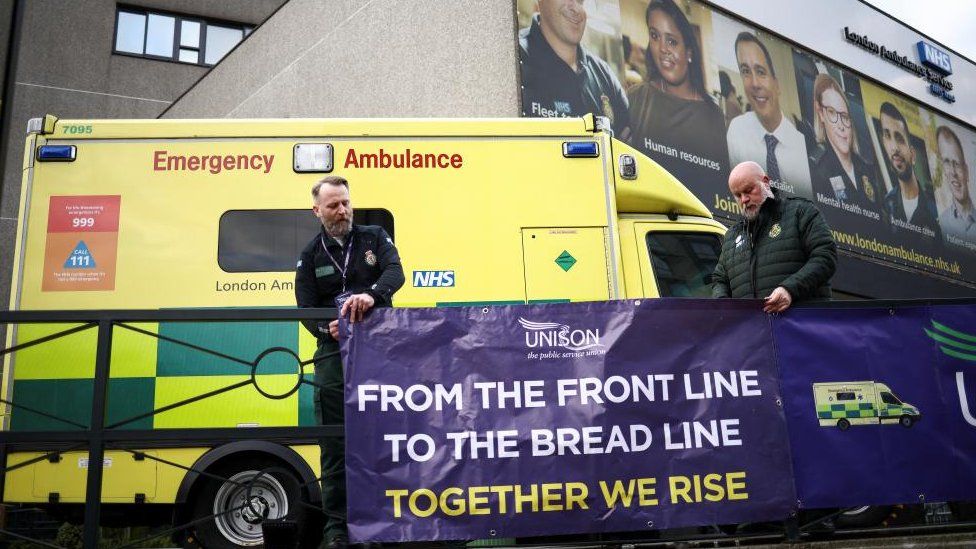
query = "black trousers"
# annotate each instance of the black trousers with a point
(329, 410)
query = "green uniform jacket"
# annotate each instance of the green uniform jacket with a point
(788, 244)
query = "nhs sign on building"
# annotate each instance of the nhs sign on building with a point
(934, 58)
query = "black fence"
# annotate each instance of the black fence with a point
(97, 435)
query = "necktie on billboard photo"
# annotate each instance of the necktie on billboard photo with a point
(772, 166)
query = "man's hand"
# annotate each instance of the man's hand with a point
(778, 301)
(356, 306)
(334, 329)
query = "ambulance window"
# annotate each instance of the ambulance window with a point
(270, 240)
(683, 262)
(889, 398)
(845, 396)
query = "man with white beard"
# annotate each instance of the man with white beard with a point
(782, 249)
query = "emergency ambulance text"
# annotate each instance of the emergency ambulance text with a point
(163, 162)
(399, 160)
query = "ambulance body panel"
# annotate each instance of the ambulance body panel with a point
(161, 214)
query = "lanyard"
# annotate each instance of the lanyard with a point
(345, 261)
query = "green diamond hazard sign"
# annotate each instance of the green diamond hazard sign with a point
(565, 261)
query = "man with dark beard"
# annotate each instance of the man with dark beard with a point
(908, 205)
(353, 268)
(781, 251)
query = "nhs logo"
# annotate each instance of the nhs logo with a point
(433, 279)
(934, 58)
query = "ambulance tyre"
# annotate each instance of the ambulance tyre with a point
(843, 424)
(275, 493)
(906, 421)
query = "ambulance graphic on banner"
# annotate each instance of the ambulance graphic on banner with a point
(82, 243)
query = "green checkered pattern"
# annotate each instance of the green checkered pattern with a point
(893, 410)
(846, 410)
(57, 378)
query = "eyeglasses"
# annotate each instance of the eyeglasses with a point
(832, 116)
(953, 165)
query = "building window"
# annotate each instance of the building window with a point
(172, 37)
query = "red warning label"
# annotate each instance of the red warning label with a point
(95, 214)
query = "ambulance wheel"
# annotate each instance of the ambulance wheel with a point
(275, 493)
(906, 421)
(843, 424)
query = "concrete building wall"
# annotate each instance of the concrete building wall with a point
(65, 67)
(368, 58)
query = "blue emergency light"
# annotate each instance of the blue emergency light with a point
(581, 149)
(57, 153)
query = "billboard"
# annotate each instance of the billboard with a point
(699, 91)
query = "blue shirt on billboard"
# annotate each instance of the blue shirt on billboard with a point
(551, 88)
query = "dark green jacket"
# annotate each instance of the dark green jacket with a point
(788, 244)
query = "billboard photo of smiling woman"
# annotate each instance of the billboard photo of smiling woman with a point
(674, 118)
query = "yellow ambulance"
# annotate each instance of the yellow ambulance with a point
(168, 214)
(846, 403)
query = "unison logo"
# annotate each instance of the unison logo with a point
(552, 334)
(957, 345)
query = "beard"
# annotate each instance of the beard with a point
(907, 174)
(751, 215)
(339, 228)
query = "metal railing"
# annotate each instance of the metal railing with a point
(96, 436)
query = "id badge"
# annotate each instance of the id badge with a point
(340, 300)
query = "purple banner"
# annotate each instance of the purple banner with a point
(879, 403)
(505, 421)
